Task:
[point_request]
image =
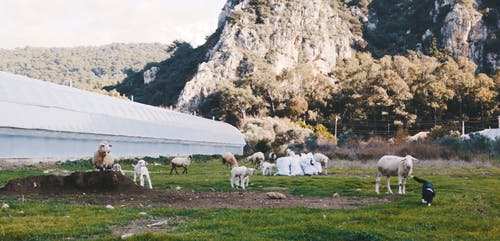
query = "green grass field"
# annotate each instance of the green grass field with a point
(466, 208)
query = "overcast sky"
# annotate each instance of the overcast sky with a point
(67, 23)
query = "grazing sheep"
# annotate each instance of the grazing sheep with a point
(394, 166)
(272, 157)
(289, 152)
(141, 170)
(117, 168)
(102, 157)
(267, 168)
(181, 162)
(228, 159)
(256, 159)
(323, 160)
(241, 175)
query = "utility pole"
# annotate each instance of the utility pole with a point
(337, 118)
(463, 128)
(499, 122)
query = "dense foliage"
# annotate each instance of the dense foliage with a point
(88, 68)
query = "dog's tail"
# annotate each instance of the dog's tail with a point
(419, 179)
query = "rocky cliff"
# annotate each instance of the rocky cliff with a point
(281, 33)
(467, 32)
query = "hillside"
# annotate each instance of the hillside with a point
(88, 68)
(400, 64)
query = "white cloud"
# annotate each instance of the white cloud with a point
(58, 23)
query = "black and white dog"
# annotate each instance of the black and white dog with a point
(428, 192)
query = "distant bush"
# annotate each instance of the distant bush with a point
(265, 134)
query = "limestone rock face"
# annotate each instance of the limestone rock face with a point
(283, 33)
(150, 74)
(465, 34)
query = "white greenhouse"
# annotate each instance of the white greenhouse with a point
(39, 119)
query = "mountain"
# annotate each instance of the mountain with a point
(255, 36)
(87, 68)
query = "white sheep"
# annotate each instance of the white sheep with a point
(141, 170)
(102, 157)
(241, 175)
(267, 168)
(117, 168)
(323, 160)
(394, 166)
(181, 162)
(228, 159)
(256, 159)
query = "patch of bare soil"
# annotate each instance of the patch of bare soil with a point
(112, 188)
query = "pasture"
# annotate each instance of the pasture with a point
(466, 207)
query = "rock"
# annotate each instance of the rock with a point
(290, 35)
(275, 195)
(336, 195)
(109, 207)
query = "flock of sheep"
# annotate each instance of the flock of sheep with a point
(288, 165)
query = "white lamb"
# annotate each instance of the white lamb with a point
(241, 175)
(181, 162)
(394, 166)
(323, 160)
(102, 157)
(117, 168)
(267, 168)
(228, 159)
(141, 170)
(256, 159)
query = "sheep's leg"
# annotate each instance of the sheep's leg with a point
(135, 177)
(400, 184)
(171, 170)
(185, 170)
(242, 182)
(141, 179)
(149, 181)
(388, 180)
(377, 182)
(232, 182)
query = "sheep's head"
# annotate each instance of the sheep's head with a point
(250, 171)
(142, 163)
(116, 167)
(408, 161)
(190, 157)
(104, 147)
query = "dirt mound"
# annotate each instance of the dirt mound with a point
(77, 182)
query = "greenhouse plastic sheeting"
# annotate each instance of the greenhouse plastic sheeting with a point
(42, 119)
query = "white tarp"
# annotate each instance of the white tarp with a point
(295, 168)
(283, 166)
(297, 165)
(308, 165)
(490, 133)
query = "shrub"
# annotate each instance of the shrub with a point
(495, 146)
(348, 139)
(263, 146)
(477, 143)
